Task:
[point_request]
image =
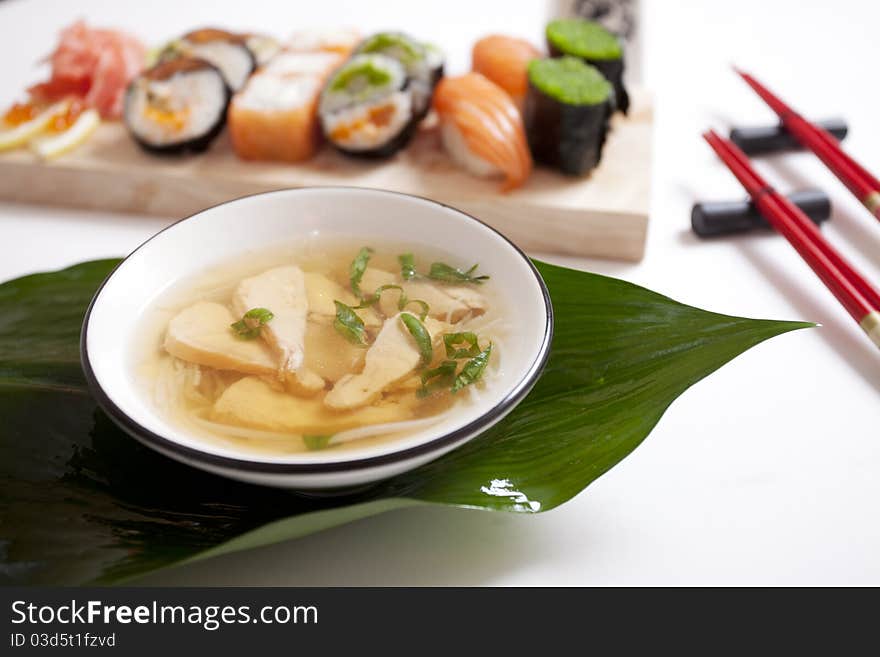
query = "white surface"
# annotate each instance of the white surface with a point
(275, 225)
(766, 472)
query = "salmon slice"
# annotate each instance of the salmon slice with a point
(489, 125)
(504, 60)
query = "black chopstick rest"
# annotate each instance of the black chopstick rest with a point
(762, 140)
(730, 217)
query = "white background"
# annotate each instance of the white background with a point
(766, 472)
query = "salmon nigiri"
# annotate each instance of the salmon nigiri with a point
(482, 129)
(504, 60)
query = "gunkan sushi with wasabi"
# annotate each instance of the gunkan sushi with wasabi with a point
(568, 107)
(596, 46)
(367, 107)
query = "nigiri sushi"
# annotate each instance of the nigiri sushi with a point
(505, 60)
(482, 129)
(275, 115)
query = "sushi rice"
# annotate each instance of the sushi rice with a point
(367, 107)
(177, 105)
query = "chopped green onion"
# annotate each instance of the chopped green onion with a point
(357, 268)
(407, 266)
(248, 327)
(453, 342)
(402, 302)
(373, 299)
(473, 370)
(440, 271)
(440, 377)
(423, 305)
(349, 324)
(420, 335)
(317, 441)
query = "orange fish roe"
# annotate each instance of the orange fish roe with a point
(174, 119)
(64, 120)
(19, 113)
(377, 116)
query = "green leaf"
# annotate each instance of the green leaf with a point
(421, 336)
(349, 325)
(249, 326)
(473, 369)
(81, 502)
(357, 268)
(440, 271)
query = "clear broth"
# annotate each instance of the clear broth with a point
(185, 393)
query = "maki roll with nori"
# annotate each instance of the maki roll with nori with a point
(568, 106)
(229, 52)
(595, 45)
(423, 63)
(176, 106)
(367, 107)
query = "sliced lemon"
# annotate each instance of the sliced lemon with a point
(24, 132)
(51, 147)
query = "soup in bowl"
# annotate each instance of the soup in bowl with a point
(317, 338)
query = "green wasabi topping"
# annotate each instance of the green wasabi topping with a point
(574, 36)
(396, 45)
(569, 80)
(371, 74)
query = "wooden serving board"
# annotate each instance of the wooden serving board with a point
(604, 215)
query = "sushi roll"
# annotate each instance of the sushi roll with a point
(436, 60)
(177, 106)
(367, 107)
(423, 64)
(505, 60)
(227, 51)
(482, 129)
(568, 107)
(263, 47)
(595, 45)
(275, 116)
(340, 41)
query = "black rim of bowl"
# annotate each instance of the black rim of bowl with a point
(165, 444)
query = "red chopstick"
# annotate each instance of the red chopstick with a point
(858, 180)
(859, 297)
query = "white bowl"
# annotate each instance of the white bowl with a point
(230, 230)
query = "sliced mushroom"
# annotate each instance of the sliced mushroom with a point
(450, 303)
(201, 334)
(254, 403)
(389, 359)
(323, 291)
(282, 290)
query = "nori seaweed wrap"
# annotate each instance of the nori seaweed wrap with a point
(367, 107)
(177, 106)
(567, 109)
(423, 63)
(596, 46)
